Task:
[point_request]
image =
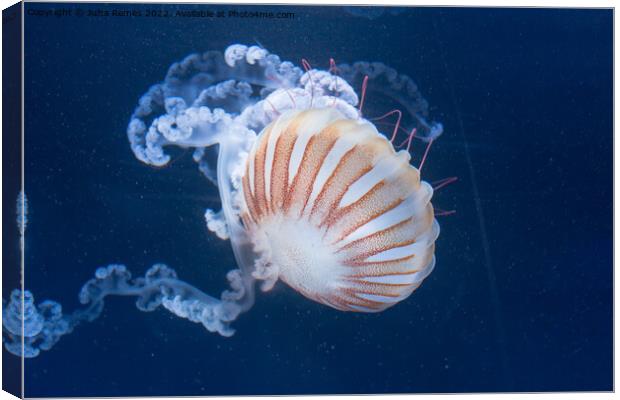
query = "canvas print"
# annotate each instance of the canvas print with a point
(218, 199)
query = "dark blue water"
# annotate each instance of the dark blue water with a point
(520, 300)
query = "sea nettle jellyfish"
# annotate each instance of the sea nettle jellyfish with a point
(312, 193)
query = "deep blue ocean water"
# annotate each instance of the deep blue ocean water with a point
(521, 297)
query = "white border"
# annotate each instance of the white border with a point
(479, 3)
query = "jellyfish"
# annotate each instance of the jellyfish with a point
(312, 193)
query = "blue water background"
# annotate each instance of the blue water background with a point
(520, 300)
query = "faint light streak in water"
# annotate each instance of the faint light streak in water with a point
(488, 262)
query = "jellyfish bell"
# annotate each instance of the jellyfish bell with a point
(336, 213)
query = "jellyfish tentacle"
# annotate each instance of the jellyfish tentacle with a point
(260, 67)
(386, 81)
(216, 223)
(266, 272)
(233, 152)
(22, 212)
(330, 86)
(187, 108)
(204, 166)
(45, 324)
(34, 323)
(183, 127)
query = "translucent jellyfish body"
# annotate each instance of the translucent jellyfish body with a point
(323, 201)
(311, 192)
